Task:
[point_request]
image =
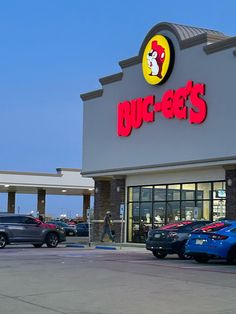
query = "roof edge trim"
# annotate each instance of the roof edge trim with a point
(129, 62)
(111, 78)
(91, 95)
(30, 173)
(227, 43)
(149, 167)
(68, 169)
(200, 39)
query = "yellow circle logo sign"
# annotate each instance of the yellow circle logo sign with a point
(158, 60)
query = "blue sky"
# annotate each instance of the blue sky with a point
(51, 51)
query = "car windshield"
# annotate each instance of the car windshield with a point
(176, 225)
(216, 226)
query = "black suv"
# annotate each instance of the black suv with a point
(69, 230)
(171, 239)
(27, 229)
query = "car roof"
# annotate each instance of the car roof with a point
(183, 223)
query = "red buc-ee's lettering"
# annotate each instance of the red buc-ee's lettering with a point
(132, 114)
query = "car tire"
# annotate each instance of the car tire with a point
(52, 240)
(182, 254)
(3, 240)
(201, 259)
(38, 245)
(231, 258)
(159, 254)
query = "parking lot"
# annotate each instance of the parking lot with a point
(90, 281)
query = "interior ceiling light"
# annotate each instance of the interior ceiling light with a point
(6, 185)
(64, 191)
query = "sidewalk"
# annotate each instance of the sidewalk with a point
(78, 242)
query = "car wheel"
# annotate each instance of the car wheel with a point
(52, 240)
(231, 258)
(3, 240)
(201, 259)
(182, 254)
(38, 245)
(159, 254)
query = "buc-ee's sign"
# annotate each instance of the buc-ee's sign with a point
(185, 103)
(132, 114)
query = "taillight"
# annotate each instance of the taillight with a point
(217, 237)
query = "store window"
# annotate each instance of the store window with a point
(159, 214)
(130, 222)
(173, 192)
(160, 193)
(173, 211)
(146, 212)
(145, 219)
(203, 191)
(188, 191)
(188, 211)
(134, 194)
(157, 205)
(219, 200)
(204, 209)
(146, 193)
(218, 209)
(135, 212)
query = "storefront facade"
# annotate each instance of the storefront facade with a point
(159, 136)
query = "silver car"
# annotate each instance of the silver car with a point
(27, 229)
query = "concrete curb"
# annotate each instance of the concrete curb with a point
(103, 247)
(76, 245)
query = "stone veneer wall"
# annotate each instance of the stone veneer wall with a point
(11, 202)
(117, 197)
(231, 194)
(108, 196)
(41, 202)
(101, 205)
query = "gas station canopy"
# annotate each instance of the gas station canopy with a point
(66, 181)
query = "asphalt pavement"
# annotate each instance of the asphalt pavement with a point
(96, 281)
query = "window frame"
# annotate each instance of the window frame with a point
(165, 202)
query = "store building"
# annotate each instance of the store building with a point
(160, 135)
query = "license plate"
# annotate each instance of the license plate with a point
(157, 236)
(71, 233)
(199, 241)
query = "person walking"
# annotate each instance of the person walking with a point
(107, 227)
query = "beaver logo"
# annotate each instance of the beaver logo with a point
(157, 60)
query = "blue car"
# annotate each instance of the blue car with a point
(216, 240)
(82, 229)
